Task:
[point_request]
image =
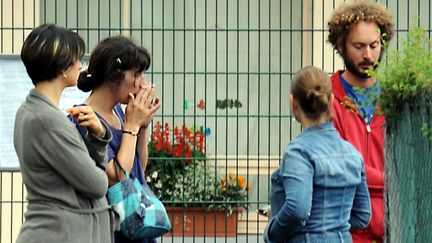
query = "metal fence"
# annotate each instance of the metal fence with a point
(234, 57)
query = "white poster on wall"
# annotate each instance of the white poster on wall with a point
(14, 87)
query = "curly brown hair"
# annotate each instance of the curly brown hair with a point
(349, 14)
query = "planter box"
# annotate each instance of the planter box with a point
(197, 222)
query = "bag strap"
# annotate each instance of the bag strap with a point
(117, 163)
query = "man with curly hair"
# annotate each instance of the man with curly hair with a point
(358, 32)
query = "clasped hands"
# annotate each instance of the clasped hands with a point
(141, 108)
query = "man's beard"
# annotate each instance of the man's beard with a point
(352, 67)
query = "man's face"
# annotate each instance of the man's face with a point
(362, 49)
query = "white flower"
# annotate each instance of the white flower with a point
(148, 179)
(158, 184)
(155, 175)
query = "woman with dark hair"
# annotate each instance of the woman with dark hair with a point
(115, 75)
(64, 173)
(319, 190)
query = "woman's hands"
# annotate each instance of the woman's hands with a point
(87, 118)
(141, 108)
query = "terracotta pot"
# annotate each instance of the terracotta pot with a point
(198, 223)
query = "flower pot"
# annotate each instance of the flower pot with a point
(197, 222)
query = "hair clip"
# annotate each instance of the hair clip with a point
(86, 73)
(118, 60)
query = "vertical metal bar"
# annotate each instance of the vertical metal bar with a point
(163, 72)
(55, 12)
(419, 13)
(88, 26)
(237, 97)
(312, 32)
(77, 18)
(11, 204)
(22, 201)
(291, 62)
(322, 36)
(227, 97)
(1, 50)
(205, 99)
(334, 54)
(130, 18)
(23, 21)
(142, 31)
(66, 13)
(280, 83)
(109, 17)
(408, 14)
(120, 18)
(99, 20)
(13, 27)
(184, 89)
(45, 12)
(216, 95)
(397, 25)
(194, 88)
(248, 102)
(301, 33)
(258, 101)
(269, 91)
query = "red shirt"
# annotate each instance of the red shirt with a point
(369, 141)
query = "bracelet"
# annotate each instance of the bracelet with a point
(131, 133)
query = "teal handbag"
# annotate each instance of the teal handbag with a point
(142, 214)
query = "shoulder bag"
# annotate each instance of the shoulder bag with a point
(142, 214)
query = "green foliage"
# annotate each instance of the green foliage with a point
(178, 173)
(406, 75)
(199, 183)
(427, 131)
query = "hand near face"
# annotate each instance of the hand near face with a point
(87, 118)
(154, 106)
(140, 109)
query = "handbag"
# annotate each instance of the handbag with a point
(142, 214)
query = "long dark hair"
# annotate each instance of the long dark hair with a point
(109, 61)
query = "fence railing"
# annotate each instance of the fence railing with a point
(215, 52)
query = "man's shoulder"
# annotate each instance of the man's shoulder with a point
(337, 88)
(336, 76)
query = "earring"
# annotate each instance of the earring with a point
(64, 75)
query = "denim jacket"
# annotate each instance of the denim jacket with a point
(319, 190)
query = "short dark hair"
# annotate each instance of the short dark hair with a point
(349, 14)
(109, 61)
(49, 50)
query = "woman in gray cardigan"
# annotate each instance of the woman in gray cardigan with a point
(64, 173)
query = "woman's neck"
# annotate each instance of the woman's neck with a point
(311, 123)
(307, 122)
(103, 101)
(51, 89)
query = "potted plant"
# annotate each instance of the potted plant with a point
(406, 101)
(200, 199)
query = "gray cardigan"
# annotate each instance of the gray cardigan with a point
(66, 184)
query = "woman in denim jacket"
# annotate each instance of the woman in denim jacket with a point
(319, 190)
